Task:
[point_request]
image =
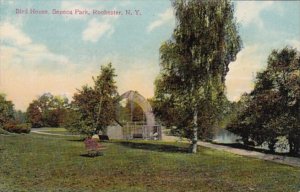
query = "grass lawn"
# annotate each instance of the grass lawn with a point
(47, 163)
(54, 130)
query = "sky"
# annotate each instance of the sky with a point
(59, 53)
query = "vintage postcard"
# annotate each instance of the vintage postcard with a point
(149, 95)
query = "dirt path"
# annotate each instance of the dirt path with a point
(292, 161)
(37, 131)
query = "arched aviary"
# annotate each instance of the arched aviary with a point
(142, 102)
(150, 130)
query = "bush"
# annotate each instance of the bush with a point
(17, 128)
(3, 132)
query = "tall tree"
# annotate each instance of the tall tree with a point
(34, 114)
(194, 63)
(95, 105)
(273, 107)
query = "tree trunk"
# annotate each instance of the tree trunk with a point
(195, 133)
(271, 146)
(98, 114)
(294, 146)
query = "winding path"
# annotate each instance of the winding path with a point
(38, 131)
(292, 161)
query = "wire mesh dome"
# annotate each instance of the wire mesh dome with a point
(142, 130)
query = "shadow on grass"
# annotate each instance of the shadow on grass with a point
(91, 156)
(155, 147)
(77, 140)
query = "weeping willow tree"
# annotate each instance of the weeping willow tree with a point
(194, 63)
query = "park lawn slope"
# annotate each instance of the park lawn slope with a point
(47, 163)
(53, 130)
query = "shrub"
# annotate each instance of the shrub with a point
(93, 147)
(3, 132)
(17, 128)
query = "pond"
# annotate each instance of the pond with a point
(227, 137)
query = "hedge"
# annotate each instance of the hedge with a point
(17, 128)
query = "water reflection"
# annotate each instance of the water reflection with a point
(227, 137)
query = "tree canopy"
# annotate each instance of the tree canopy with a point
(93, 108)
(6, 111)
(194, 63)
(272, 109)
(10, 119)
(47, 110)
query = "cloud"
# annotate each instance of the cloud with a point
(12, 34)
(28, 68)
(22, 87)
(252, 59)
(97, 29)
(29, 71)
(295, 43)
(242, 72)
(17, 48)
(163, 18)
(248, 12)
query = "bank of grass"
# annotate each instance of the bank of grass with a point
(54, 130)
(47, 163)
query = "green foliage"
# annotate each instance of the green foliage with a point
(11, 120)
(13, 127)
(94, 107)
(3, 132)
(194, 63)
(6, 111)
(47, 111)
(34, 114)
(272, 109)
(20, 117)
(76, 124)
